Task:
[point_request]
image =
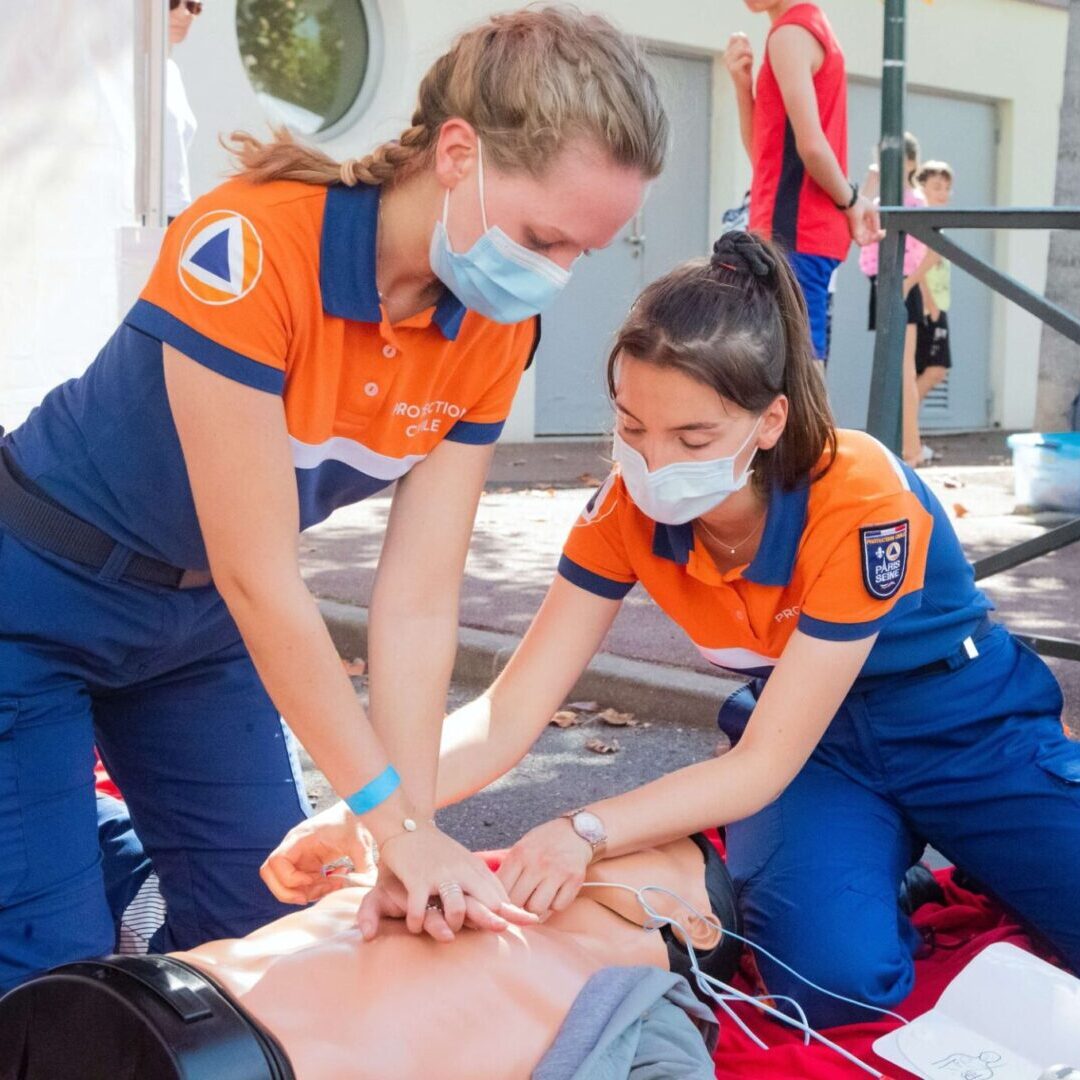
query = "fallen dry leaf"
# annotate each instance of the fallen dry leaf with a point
(960, 510)
(598, 746)
(586, 479)
(354, 668)
(584, 706)
(952, 482)
(564, 718)
(617, 719)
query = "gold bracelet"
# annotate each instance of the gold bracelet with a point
(408, 825)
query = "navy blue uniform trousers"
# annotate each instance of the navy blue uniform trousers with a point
(161, 681)
(972, 760)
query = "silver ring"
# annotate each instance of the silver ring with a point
(449, 887)
(344, 863)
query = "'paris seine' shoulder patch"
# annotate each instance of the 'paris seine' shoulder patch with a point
(884, 558)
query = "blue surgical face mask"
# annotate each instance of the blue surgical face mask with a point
(684, 490)
(496, 277)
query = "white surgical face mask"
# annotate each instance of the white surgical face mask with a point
(683, 490)
(497, 277)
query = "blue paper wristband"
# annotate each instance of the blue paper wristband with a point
(375, 792)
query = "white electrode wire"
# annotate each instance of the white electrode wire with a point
(782, 1017)
(804, 1024)
(729, 1011)
(723, 999)
(713, 921)
(813, 985)
(730, 993)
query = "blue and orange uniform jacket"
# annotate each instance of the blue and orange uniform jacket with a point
(863, 549)
(271, 285)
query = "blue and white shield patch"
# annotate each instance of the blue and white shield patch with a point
(884, 558)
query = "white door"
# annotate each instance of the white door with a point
(673, 226)
(964, 133)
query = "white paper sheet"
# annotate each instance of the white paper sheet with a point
(1007, 1016)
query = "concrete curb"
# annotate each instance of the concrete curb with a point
(652, 691)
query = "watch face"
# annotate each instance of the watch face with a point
(589, 827)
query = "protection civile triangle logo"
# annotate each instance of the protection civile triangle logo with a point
(221, 257)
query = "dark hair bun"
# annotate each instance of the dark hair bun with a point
(742, 252)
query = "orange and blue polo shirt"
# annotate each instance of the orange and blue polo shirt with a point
(272, 285)
(864, 549)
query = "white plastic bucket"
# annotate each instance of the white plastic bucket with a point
(1047, 470)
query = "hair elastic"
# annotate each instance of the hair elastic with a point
(374, 792)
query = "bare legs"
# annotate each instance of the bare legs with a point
(930, 377)
(912, 442)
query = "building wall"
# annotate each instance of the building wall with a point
(1007, 51)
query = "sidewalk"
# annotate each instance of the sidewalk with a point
(647, 666)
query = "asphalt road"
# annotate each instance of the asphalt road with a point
(559, 774)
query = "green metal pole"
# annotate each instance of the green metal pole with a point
(893, 94)
(884, 418)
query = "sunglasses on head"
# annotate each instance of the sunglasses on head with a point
(194, 6)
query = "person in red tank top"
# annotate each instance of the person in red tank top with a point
(794, 127)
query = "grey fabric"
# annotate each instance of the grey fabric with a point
(633, 1023)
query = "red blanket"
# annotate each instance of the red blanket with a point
(955, 932)
(102, 780)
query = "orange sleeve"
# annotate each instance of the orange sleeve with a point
(216, 293)
(594, 556)
(871, 568)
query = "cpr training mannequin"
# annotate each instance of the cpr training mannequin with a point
(408, 1008)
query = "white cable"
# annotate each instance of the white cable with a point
(730, 993)
(789, 1020)
(731, 1013)
(761, 948)
(722, 999)
(813, 985)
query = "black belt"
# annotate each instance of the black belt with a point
(966, 651)
(35, 518)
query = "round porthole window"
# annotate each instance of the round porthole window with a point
(309, 61)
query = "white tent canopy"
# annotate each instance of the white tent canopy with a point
(69, 145)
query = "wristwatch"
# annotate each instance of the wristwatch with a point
(590, 828)
(854, 197)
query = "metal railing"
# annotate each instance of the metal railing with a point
(885, 414)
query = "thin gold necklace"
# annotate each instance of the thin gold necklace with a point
(731, 549)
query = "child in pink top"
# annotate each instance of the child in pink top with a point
(914, 250)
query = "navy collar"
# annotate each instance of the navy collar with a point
(774, 562)
(784, 524)
(674, 542)
(347, 261)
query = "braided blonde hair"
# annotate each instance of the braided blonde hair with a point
(527, 81)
